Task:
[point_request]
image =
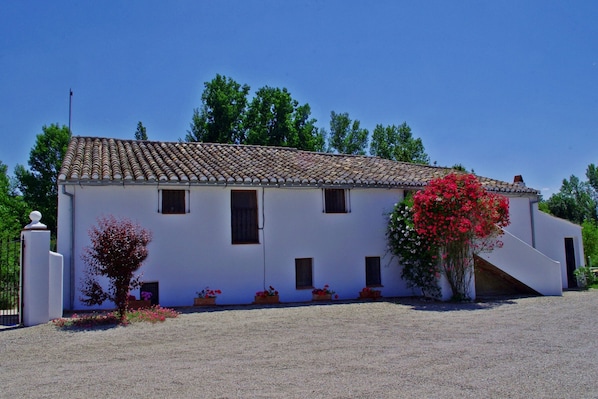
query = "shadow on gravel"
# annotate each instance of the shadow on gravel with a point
(430, 305)
(415, 303)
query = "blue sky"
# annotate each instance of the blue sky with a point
(503, 87)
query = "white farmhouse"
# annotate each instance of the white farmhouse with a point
(240, 218)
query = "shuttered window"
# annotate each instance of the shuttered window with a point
(244, 225)
(303, 273)
(173, 202)
(335, 200)
(372, 271)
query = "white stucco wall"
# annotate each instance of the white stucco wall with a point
(189, 252)
(547, 234)
(550, 239)
(520, 216)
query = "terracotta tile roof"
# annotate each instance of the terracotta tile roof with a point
(92, 160)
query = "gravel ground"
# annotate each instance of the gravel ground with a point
(543, 347)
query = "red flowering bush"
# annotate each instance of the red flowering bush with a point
(269, 292)
(458, 216)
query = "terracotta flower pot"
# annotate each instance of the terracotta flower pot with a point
(370, 295)
(204, 301)
(268, 299)
(325, 297)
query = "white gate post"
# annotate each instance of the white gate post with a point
(35, 271)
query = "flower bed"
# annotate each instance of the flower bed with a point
(369, 293)
(323, 294)
(206, 297)
(268, 296)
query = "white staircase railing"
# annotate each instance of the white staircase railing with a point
(526, 264)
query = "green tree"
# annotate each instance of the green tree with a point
(574, 202)
(13, 210)
(39, 184)
(589, 233)
(118, 249)
(270, 118)
(309, 137)
(346, 136)
(141, 132)
(397, 143)
(220, 118)
(592, 175)
(274, 118)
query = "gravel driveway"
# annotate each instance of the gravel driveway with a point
(543, 347)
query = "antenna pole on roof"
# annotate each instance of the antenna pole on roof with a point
(70, 107)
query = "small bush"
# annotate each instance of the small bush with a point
(586, 277)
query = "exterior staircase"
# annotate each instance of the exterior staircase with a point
(517, 269)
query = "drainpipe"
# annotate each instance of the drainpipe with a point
(532, 221)
(72, 254)
(263, 235)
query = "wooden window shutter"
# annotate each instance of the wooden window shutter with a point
(244, 216)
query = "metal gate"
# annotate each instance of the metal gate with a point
(10, 281)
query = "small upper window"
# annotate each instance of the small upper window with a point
(173, 202)
(335, 200)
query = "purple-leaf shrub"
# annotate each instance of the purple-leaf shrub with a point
(118, 249)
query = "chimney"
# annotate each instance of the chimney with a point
(518, 179)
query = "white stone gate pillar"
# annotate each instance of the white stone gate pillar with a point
(36, 275)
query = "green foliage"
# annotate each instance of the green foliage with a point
(39, 184)
(574, 201)
(220, 118)
(589, 233)
(592, 175)
(543, 206)
(272, 118)
(460, 167)
(416, 254)
(586, 277)
(141, 132)
(117, 250)
(13, 209)
(346, 136)
(397, 143)
(10, 251)
(309, 137)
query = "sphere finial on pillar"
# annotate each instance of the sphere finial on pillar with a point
(35, 224)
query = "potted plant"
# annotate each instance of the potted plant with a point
(323, 294)
(144, 302)
(369, 293)
(206, 297)
(267, 296)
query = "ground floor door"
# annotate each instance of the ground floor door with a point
(570, 259)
